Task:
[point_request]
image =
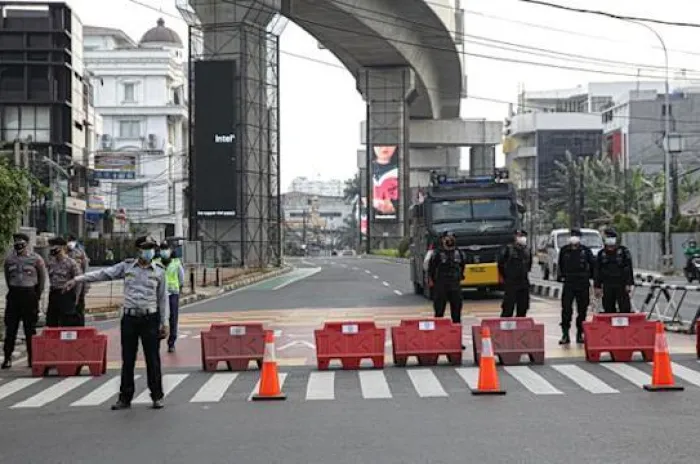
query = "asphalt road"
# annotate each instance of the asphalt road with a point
(595, 413)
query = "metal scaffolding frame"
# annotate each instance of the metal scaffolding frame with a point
(254, 238)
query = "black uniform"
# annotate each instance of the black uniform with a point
(614, 273)
(514, 265)
(577, 266)
(446, 270)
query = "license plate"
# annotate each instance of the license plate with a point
(477, 270)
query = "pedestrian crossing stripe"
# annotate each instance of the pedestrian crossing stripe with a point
(421, 382)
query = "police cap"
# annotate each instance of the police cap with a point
(20, 237)
(145, 243)
(164, 246)
(576, 232)
(57, 241)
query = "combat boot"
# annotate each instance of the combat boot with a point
(565, 339)
(6, 364)
(579, 336)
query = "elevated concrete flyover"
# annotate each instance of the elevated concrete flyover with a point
(403, 54)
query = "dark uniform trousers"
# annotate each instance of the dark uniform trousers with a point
(62, 311)
(581, 294)
(146, 328)
(22, 304)
(444, 293)
(616, 295)
(515, 298)
(80, 309)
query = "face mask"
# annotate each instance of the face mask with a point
(20, 246)
(55, 251)
(610, 241)
(165, 254)
(521, 241)
(575, 240)
(147, 255)
(71, 245)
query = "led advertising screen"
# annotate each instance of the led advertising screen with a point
(215, 140)
(385, 183)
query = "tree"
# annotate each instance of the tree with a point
(15, 190)
(352, 188)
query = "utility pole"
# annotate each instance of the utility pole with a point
(581, 196)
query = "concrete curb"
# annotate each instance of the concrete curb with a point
(189, 299)
(545, 290)
(387, 258)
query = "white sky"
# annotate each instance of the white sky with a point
(321, 109)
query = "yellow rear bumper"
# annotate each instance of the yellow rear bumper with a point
(481, 275)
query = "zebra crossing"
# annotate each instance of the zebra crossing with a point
(304, 385)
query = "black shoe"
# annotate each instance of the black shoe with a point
(171, 349)
(119, 405)
(6, 364)
(565, 340)
(464, 347)
(158, 404)
(579, 337)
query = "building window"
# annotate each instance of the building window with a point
(129, 92)
(130, 197)
(31, 123)
(129, 129)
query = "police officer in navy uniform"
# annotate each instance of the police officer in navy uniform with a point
(144, 316)
(446, 269)
(514, 265)
(577, 266)
(25, 276)
(614, 276)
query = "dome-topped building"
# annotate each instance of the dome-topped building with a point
(160, 36)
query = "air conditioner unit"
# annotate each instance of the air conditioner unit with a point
(152, 141)
(106, 141)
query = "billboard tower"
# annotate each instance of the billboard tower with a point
(234, 192)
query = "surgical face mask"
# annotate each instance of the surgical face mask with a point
(71, 245)
(521, 241)
(20, 246)
(610, 241)
(147, 255)
(574, 240)
(165, 254)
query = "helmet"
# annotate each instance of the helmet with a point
(610, 232)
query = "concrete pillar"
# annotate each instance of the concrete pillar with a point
(388, 92)
(482, 160)
(237, 31)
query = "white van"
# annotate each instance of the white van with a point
(560, 237)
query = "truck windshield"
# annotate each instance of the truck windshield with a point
(473, 215)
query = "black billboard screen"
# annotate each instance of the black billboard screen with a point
(215, 140)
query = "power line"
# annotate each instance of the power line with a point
(611, 15)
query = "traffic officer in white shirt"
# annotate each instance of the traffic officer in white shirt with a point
(144, 316)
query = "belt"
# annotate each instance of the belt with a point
(139, 311)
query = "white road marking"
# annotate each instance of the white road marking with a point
(355, 268)
(375, 277)
(398, 292)
(278, 333)
(532, 380)
(305, 273)
(426, 383)
(686, 374)
(321, 386)
(15, 386)
(101, 394)
(53, 392)
(386, 284)
(584, 379)
(170, 381)
(629, 373)
(215, 388)
(374, 385)
(367, 271)
(470, 375)
(282, 376)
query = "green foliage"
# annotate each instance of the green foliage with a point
(352, 188)
(15, 186)
(389, 252)
(404, 246)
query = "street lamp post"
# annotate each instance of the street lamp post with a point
(668, 181)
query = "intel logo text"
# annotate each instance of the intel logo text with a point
(224, 138)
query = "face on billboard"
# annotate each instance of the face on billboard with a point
(385, 182)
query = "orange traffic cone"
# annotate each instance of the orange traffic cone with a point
(488, 376)
(662, 376)
(269, 380)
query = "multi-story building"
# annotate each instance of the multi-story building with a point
(46, 104)
(312, 218)
(141, 157)
(329, 188)
(634, 128)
